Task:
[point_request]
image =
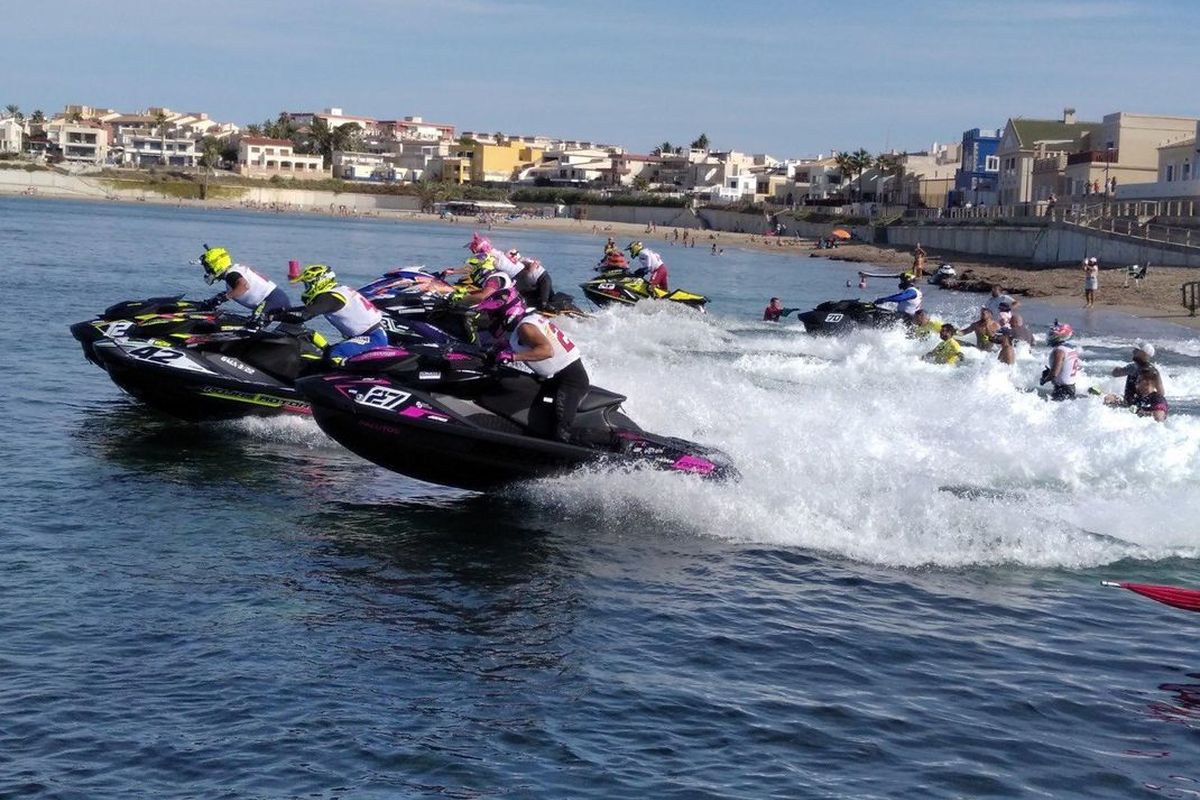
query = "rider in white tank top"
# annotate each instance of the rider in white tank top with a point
(565, 351)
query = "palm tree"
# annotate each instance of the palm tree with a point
(14, 111)
(160, 120)
(38, 118)
(701, 142)
(665, 149)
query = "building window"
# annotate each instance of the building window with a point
(991, 164)
(1186, 175)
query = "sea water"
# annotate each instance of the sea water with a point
(900, 597)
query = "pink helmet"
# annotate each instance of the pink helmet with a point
(479, 244)
(1060, 332)
(504, 306)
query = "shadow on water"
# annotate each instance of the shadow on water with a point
(133, 438)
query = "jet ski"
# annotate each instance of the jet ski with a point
(245, 372)
(618, 287)
(218, 375)
(944, 274)
(483, 434)
(837, 317)
(153, 317)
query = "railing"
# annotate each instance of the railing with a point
(1108, 156)
(1191, 296)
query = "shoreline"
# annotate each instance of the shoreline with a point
(1157, 299)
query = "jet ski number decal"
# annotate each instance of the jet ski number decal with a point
(165, 356)
(382, 397)
(118, 329)
(834, 317)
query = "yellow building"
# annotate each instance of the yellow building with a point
(483, 162)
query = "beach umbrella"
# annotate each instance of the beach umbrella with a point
(1187, 599)
(840, 233)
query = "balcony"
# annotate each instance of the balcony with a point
(1108, 156)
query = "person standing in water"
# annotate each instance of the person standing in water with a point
(1064, 362)
(985, 329)
(1091, 281)
(918, 269)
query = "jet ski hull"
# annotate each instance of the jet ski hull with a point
(836, 318)
(461, 441)
(195, 386)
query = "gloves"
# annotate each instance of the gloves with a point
(495, 358)
(282, 315)
(212, 302)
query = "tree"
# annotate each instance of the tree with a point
(640, 183)
(75, 116)
(888, 165)
(39, 117)
(665, 149)
(160, 121)
(429, 192)
(853, 164)
(254, 129)
(210, 157)
(14, 111)
(701, 142)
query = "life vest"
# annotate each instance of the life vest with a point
(912, 305)
(357, 314)
(505, 264)
(258, 287)
(565, 351)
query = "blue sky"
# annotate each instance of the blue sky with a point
(788, 78)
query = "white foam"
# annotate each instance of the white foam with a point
(854, 446)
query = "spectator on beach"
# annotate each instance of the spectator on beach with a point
(1091, 281)
(985, 329)
(918, 261)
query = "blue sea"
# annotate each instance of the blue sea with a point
(900, 599)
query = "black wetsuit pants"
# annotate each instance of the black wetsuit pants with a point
(539, 295)
(565, 389)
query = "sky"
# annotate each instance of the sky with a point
(791, 79)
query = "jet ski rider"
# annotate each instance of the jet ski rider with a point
(907, 300)
(553, 358)
(242, 284)
(353, 315)
(652, 266)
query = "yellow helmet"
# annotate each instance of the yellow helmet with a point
(317, 278)
(635, 248)
(216, 261)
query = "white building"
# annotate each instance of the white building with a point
(352, 166)
(81, 142)
(12, 135)
(260, 157)
(416, 129)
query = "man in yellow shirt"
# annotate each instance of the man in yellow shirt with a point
(949, 351)
(923, 326)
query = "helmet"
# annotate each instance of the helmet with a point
(504, 306)
(514, 255)
(215, 260)
(1060, 332)
(317, 278)
(1145, 347)
(635, 248)
(479, 244)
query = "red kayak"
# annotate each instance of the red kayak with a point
(1187, 599)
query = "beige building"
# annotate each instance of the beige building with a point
(260, 157)
(1123, 149)
(1177, 175)
(80, 142)
(1026, 140)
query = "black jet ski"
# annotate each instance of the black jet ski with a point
(837, 317)
(618, 287)
(219, 375)
(482, 434)
(154, 317)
